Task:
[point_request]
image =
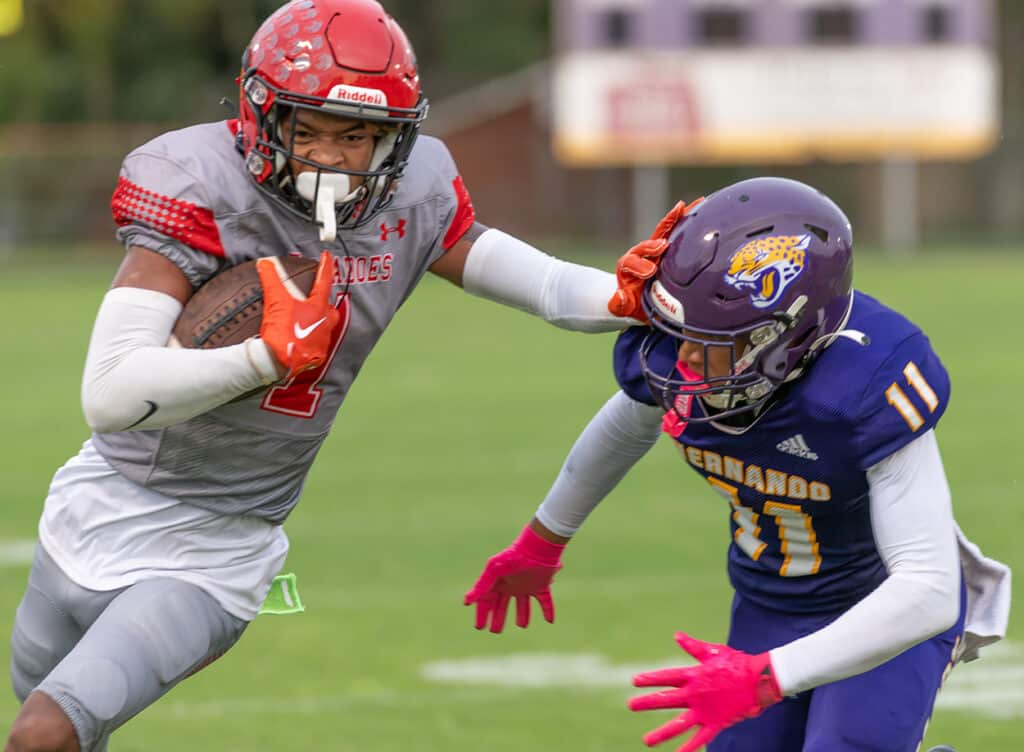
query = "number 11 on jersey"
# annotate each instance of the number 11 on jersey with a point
(898, 398)
(798, 543)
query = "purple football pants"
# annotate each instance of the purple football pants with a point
(882, 710)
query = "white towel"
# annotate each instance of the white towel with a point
(988, 598)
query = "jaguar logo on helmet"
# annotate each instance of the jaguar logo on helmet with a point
(766, 266)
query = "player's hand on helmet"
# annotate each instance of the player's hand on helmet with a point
(298, 330)
(640, 263)
(522, 571)
(725, 687)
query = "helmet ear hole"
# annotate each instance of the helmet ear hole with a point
(820, 232)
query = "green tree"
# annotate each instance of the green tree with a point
(172, 60)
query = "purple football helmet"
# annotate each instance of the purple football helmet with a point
(763, 268)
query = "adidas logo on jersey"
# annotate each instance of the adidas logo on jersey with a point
(796, 445)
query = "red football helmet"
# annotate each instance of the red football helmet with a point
(344, 57)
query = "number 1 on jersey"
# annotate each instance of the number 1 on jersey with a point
(301, 396)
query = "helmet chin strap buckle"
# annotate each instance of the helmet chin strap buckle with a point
(323, 191)
(764, 336)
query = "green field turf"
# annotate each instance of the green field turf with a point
(450, 438)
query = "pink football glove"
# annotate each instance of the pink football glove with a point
(726, 687)
(524, 569)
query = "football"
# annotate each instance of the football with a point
(228, 309)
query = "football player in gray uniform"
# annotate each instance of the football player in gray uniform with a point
(160, 539)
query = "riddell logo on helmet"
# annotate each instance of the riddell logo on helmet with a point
(666, 303)
(358, 95)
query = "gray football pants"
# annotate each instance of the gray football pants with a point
(105, 656)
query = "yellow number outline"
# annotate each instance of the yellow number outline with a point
(896, 397)
(797, 538)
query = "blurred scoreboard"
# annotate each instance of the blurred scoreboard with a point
(660, 82)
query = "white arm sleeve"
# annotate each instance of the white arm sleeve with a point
(614, 440)
(912, 520)
(131, 373)
(506, 270)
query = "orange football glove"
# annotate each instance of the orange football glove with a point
(298, 330)
(640, 263)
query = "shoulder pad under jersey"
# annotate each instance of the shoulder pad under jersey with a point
(626, 362)
(178, 183)
(904, 398)
(888, 392)
(431, 173)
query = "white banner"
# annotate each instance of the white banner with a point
(778, 105)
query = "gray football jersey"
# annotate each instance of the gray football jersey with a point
(187, 196)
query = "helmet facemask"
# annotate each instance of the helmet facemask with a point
(346, 58)
(324, 194)
(752, 375)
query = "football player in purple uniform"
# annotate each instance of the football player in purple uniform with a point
(160, 539)
(810, 408)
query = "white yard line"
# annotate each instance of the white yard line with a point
(992, 686)
(539, 670)
(16, 553)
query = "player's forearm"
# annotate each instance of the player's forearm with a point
(896, 616)
(614, 440)
(571, 296)
(914, 532)
(133, 381)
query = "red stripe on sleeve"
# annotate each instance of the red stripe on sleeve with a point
(181, 220)
(465, 214)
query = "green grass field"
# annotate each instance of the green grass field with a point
(449, 440)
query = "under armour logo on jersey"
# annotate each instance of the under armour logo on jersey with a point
(386, 231)
(796, 445)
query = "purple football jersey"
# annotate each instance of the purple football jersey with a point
(795, 482)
